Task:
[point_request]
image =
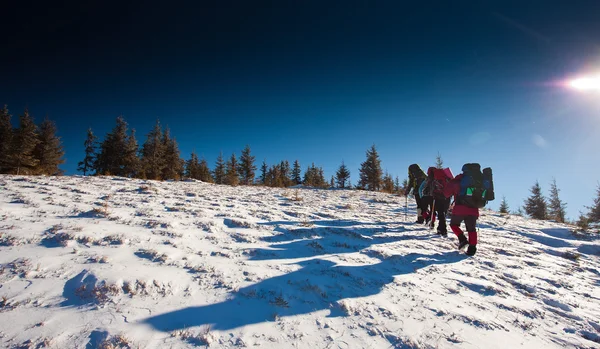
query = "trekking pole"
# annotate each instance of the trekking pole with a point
(432, 224)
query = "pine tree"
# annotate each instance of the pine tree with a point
(342, 176)
(219, 173)
(504, 206)
(172, 159)
(23, 144)
(6, 134)
(594, 215)
(152, 161)
(247, 168)
(113, 150)
(439, 163)
(519, 212)
(132, 163)
(397, 188)
(296, 173)
(332, 182)
(556, 208)
(263, 172)
(370, 171)
(87, 165)
(387, 184)
(231, 171)
(192, 167)
(583, 221)
(285, 172)
(49, 151)
(535, 205)
(204, 171)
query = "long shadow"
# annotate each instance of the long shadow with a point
(330, 223)
(546, 240)
(75, 287)
(314, 287)
(333, 243)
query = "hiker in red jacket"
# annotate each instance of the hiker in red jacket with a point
(461, 213)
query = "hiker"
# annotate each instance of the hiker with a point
(416, 177)
(437, 179)
(471, 190)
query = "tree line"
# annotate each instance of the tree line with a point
(29, 149)
(159, 158)
(537, 206)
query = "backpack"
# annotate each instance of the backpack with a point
(476, 187)
(437, 180)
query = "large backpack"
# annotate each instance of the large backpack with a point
(476, 187)
(436, 181)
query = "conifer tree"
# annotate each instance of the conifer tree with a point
(231, 171)
(219, 173)
(397, 188)
(504, 206)
(342, 176)
(23, 144)
(263, 172)
(284, 172)
(247, 168)
(132, 163)
(296, 173)
(439, 163)
(387, 183)
(204, 171)
(594, 215)
(172, 159)
(192, 167)
(370, 171)
(556, 207)
(87, 165)
(113, 150)
(6, 134)
(153, 161)
(535, 205)
(332, 182)
(49, 151)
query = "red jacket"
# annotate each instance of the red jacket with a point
(452, 188)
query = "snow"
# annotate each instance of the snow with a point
(91, 262)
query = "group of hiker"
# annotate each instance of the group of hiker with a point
(471, 190)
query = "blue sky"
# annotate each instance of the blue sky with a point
(476, 81)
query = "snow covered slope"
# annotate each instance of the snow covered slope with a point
(111, 262)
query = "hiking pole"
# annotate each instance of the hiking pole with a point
(432, 224)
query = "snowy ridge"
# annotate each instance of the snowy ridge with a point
(100, 262)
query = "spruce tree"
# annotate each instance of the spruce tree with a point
(556, 208)
(231, 171)
(204, 171)
(6, 134)
(172, 159)
(132, 162)
(87, 165)
(594, 215)
(219, 173)
(439, 163)
(370, 171)
(153, 162)
(23, 144)
(192, 167)
(285, 172)
(296, 173)
(263, 172)
(504, 206)
(342, 176)
(112, 154)
(397, 188)
(387, 184)
(535, 205)
(247, 168)
(49, 151)
(332, 182)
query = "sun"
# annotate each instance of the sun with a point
(586, 83)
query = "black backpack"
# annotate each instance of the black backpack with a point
(476, 186)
